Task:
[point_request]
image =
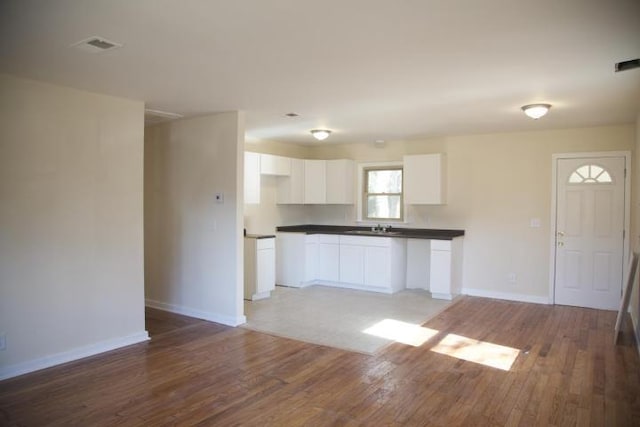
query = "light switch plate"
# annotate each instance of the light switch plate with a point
(535, 223)
(219, 197)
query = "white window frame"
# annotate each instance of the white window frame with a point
(360, 200)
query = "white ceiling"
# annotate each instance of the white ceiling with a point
(367, 69)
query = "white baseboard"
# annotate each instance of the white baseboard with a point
(439, 295)
(505, 296)
(71, 355)
(198, 314)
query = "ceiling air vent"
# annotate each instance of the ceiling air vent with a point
(627, 65)
(96, 44)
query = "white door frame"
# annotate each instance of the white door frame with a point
(554, 197)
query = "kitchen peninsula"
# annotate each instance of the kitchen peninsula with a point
(373, 260)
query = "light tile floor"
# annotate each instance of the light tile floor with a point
(337, 317)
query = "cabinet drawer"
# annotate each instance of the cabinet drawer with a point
(365, 241)
(265, 243)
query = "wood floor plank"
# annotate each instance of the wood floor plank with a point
(192, 372)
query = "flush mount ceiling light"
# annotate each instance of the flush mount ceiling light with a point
(321, 134)
(535, 111)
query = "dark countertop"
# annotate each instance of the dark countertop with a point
(351, 230)
(260, 236)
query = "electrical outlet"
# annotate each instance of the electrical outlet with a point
(3, 342)
(512, 277)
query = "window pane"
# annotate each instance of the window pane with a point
(383, 207)
(584, 171)
(575, 178)
(604, 177)
(384, 181)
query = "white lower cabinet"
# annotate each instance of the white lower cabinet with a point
(373, 263)
(259, 268)
(418, 263)
(445, 274)
(351, 264)
(380, 264)
(369, 263)
(296, 259)
(311, 258)
(435, 266)
(377, 272)
(328, 257)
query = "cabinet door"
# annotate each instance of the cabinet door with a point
(266, 270)
(275, 165)
(251, 178)
(377, 267)
(291, 188)
(310, 260)
(424, 178)
(340, 181)
(290, 259)
(440, 274)
(418, 264)
(352, 264)
(329, 262)
(315, 184)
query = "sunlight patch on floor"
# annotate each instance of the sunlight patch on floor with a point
(402, 332)
(484, 353)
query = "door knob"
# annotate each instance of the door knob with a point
(560, 233)
(560, 244)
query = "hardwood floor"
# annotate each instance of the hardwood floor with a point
(192, 372)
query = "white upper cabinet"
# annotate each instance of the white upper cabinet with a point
(275, 165)
(315, 182)
(291, 188)
(340, 182)
(251, 178)
(425, 179)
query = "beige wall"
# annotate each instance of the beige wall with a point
(497, 184)
(193, 245)
(278, 148)
(71, 224)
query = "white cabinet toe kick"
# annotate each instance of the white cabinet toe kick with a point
(371, 263)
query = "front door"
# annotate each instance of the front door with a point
(590, 211)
